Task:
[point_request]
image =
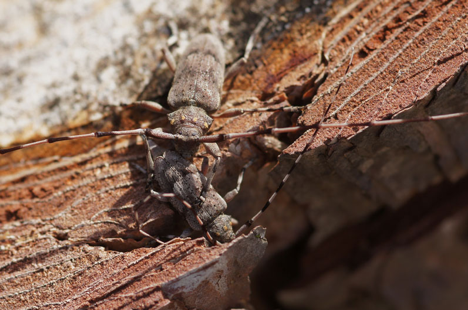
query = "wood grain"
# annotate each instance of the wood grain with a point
(357, 194)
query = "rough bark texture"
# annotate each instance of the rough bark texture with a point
(69, 235)
(53, 274)
(335, 232)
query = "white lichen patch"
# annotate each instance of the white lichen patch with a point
(61, 62)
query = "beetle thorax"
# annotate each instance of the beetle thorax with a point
(191, 122)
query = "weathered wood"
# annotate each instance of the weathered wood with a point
(338, 185)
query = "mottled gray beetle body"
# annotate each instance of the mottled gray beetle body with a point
(196, 90)
(199, 75)
(174, 174)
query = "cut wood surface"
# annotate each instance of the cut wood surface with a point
(335, 232)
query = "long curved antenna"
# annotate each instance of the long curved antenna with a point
(228, 136)
(157, 134)
(98, 134)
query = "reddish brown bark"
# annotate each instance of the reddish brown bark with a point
(360, 191)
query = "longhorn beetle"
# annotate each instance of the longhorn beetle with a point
(195, 93)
